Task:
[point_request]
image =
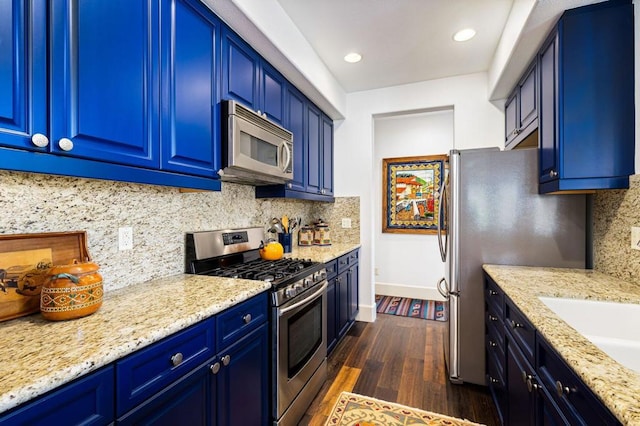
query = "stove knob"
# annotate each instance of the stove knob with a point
(290, 292)
(307, 282)
(299, 286)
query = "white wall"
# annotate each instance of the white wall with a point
(477, 123)
(408, 265)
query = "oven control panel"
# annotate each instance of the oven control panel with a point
(235, 238)
(290, 291)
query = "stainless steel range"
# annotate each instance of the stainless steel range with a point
(298, 311)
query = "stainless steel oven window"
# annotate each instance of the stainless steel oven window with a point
(305, 336)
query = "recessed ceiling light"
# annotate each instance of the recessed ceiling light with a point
(464, 35)
(353, 57)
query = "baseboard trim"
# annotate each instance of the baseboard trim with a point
(366, 313)
(400, 290)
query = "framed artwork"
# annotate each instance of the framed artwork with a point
(411, 194)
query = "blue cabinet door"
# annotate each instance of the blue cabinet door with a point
(190, 68)
(87, 401)
(295, 123)
(185, 402)
(314, 154)
(105, 80)
(327, 156)
(273, 88)
(23, 72)
(243, 382)
(548, 113)
(240, 70)
(353, 277)
(332, 334)
(595, 118)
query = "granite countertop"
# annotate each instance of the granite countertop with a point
(322, 254)
(39, 355)
(617, 386)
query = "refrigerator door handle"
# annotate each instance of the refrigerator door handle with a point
(443, 288)
(442, 244)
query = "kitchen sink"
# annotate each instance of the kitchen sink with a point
(612, 327)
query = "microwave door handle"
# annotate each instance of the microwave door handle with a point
(284, 148)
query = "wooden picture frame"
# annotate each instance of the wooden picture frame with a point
(410, 194)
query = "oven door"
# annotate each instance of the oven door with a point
(301, 343)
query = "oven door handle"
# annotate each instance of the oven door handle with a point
(306, 300)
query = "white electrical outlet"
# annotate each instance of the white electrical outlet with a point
(346, 222)
(635, 237)
(125, 238)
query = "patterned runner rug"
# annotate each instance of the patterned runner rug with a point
(352, 409)
(415, 308)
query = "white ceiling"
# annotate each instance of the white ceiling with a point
(401, 41)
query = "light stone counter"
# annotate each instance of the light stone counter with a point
(38, 355)
(617, 386)
(322, 254)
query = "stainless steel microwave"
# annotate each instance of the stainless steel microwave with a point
(256, 151)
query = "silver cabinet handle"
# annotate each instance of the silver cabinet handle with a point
(176, 359)
(39, 140)
(215, 368)
(515, 325)
(226, 360)
(492, 343)
(493, 293)
(65, 144)
(493, 380)
(289, 185)
(493, 318)
(561, 389)
(532, 385)
(553, 173)
(246, 318)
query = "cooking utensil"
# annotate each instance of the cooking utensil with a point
(285, 224)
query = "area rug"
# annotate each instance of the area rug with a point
(415, 308)
(352, 409)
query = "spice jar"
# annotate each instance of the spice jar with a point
(305, 236)
(321, 234)
(71, 291)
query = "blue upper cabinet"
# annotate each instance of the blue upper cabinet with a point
(314, 151)
(326, 187)
(249, 79)
(587, 137)
(190, 109)
(105, 80)
(295, 122)
(240, 71)
(23, 81)
(272, 93)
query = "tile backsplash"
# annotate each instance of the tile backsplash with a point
(615, 212)
(160, 217)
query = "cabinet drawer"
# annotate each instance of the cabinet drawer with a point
(494, 296)
(332, 268)
(147, 371)
(238, 321)
(521, 329)
(576, 401)
(88, 400)
(353, 257)
(343, 263)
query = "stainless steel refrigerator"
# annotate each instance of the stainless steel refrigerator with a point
(494, 214)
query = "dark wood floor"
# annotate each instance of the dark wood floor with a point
(399, 359)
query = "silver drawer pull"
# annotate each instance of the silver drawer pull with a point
(515, 325)
(561, 389)
(492, 343)
(246, 318)
(176, 359)
(492, 318)
(494, 380)
(39, 140)
(215, 368)
(226, 360)
(493, 293)
(532, 385)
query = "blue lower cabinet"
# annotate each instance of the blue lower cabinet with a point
(186, 402)
(87, 401)
(243, 381)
